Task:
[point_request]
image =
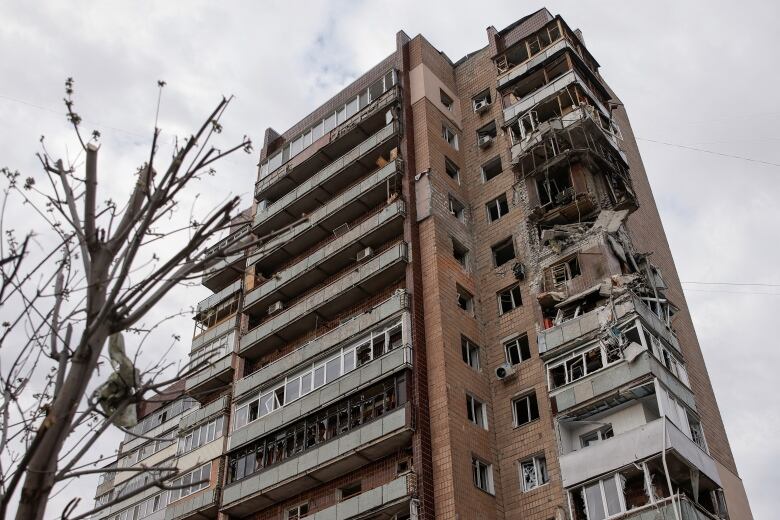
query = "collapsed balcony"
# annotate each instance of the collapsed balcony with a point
(356, 245)
(231, 267)
(293, 319)
(332, 218)
(574, 187)
(365, 115)
(323, 446)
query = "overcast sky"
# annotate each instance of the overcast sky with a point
(697, 74)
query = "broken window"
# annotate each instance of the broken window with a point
(503, 252)
(481, 101)
(525, 409)
(460, 253)
(509, 299)
(557, 275)
(465, 299)
(452, 170)
(469, 352)
(487, 134)
(555, 188)
(457, 209)
(349, 491)
(579, 365)
(475, 411)
(533, 473)
(517, 350)
(445, 100)
(482, 474)
(298, 512)
(596, 436)
(491, 169)
(450, 136)
(497, 208)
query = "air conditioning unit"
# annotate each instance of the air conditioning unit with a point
(364, 254)
(485, 140)
(504, 371)
(481, 105)
(275, 307)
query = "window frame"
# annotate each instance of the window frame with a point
(470, 353)
(500, 246)
(519, 347)
(477, 478)
(450, 136)
(450, 166)
(539, 463)
(477, 410)
(528, 396)
(446, 101)
(511, 290)
(498, 207)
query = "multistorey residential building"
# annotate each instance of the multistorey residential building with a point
(456, 301)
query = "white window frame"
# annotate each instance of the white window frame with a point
(478, 411)
(477, 478)
(580, 353)
(472, 352)
(515, 343)
(515, 304)
(496, 203)
(539, 465)
(450, 136)
(527, 398)
(189, 477)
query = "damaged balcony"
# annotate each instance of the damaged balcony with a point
(273, 184)
(212, 357)
(584, 316)
(355, 245)
(332, 218)
(230, 268)
(574, 186)
(390, 500)
(371, 154)
(300, 316)
(558, 77)
(326, 445)
(325, 380)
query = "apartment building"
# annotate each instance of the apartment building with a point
(457, 302)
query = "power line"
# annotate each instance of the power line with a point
(758, 284)
(767, 163)
(733, 292)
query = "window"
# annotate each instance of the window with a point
(469, 352)
(297, 512)
(465, 299)
(452, 170)
(481, 101)
(491, 169)
(191, 482)
(475, 411)
(525, 409)
(497, 208)
(533, 473)
(579, 365)
(482, 474)
(555, 189)
(486, 135)
(509, 299)
(457, 209)
(349, 491)
(445, 100)
(503, 252)
(460, 253)
(596, 436)
(557, 275)
(601, 499)
(450, 136)
(517, 350)
(201, 435)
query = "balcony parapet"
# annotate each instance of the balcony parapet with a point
(217, 297)
(283, 210)
(227, 269)
(204, 414)
(326, 302)
(321, 223)
(634, 446)
(389, 499)
(217, 373)
(201, 505)
(340, 456)
(329, 259)
(215, 332)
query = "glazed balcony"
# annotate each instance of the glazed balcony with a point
(587, 326)
(328, 220)
(325, 303)
(554, 49)
(230, 268)
(335, 143)
(333, 178)
(330, 259)
(636, 445)
(202, 505)
(340, 456)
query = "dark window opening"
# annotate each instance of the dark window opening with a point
(491, 169)
(503, 252)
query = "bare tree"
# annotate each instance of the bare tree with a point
(89, 272)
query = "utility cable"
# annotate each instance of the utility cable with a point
(767, 163)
